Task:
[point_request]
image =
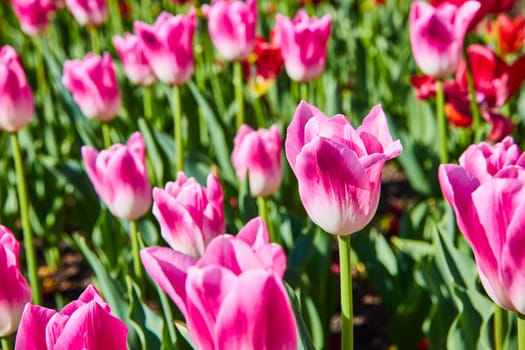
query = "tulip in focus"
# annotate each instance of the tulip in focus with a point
(232, 26)
(303, 42)
(15, 292)
(131, 52)
(16, 99)
(258, 155)
(437, 35)
(190, 215)
(34, 15)
(233, 297)
(88, 12)
(120, 178)
(168, 46)
(86, 323)
(487, 192)
(338, 167)
(94, 86)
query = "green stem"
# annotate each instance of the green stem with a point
(135, 246)
(168, 316)
(473, 99)
(116, 17)
(6, 343)
(303, 91)
(94, 39)
(521, 332)
(347, 328)
(106, 135)
(498, 328)
(262, 205)
(147, 98)
(26, 226)
(442, 124)
(239, 94)
(177, 125)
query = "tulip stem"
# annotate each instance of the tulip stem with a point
(303, 91)
(168, 316)
(239, 94)
(94, 39)
(135, 246)
(147, 98)
(521, 332)
(106, 135)
(6, 343)
(177, 125)
(26, 226)
(498, 328)
(473, 99)
(262, 205)
(347, 328)
(116, 18)
(442, 125)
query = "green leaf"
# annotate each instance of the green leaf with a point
(305, 341)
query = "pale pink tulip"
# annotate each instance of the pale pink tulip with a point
(88, 12)
(303, 41)
(233, 297)
(190, 215)
(437, 35)
(85, 323)
(338, 167)
(120, 178)
(16, 99)
(34, 15)
(258, 155)
(232, 26)
(168, 46)
(130, 50)
(94, 86)
(14, 289)
(487, 193)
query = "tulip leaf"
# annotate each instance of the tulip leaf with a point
(183, 331)
(156, 164)
(305, 340)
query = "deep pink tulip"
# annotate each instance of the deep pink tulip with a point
(303, 42)
(233, 297)
(120, 178)
(168, 46)
(88, 12)
(130, 50)
(190, 215)
(16, 99)
(487, 192)
(437, 35)
(258, 154)
(338, 167)
(14, 289)
(85, 323)
(232, 26)
(94, 86)
(34, 15)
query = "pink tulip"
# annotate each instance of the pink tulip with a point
(88, 12)
(258, 154)
(34, 15)
(233, 297)
(190, 215)
(303, 42)
(486, 191)
(232, 26)
(120, 178)
(85, 323)
(14, 289)
(130, 50)
(16, 99)
(168, 46)
(437, 35)
(93, 83)
(338, 167)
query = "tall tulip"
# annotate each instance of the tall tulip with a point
(94, 86)
(14, 289)
(233, 297)
(303, 42)
(88, 12)
(34, 15)
(190, 215)
(130, 50)
(86, 323)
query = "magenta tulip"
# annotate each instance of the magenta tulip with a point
(303, 42)
(232, 26)
(16, 99)
(34, 15)
(168, 46)
(130, 50)
(338, 167)
(85, 323)
(233, 297)
(15, 292)
(190, 215)
(487, 192)
(258, 155)
(437, 35)
(120, 178)
(88, 12)
(94, 86)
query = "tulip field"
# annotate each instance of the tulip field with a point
(257, 174)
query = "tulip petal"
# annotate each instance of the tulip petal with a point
(32, 330)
